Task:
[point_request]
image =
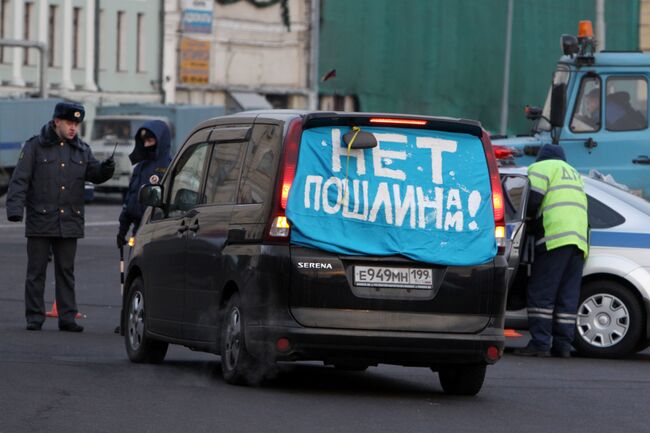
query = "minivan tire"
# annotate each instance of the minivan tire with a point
(238, 366)
(462, 379)
(140, 348)
(601, 303)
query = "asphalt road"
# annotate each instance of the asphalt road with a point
(52, 381)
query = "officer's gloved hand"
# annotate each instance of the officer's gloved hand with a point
(121, 240)
(108, 167)
(15, 218)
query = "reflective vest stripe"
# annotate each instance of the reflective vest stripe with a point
(565, 203)
(558, 187)
(561, 235)
(566, 315)
(541, 176)
(538, 190)
(565, 321)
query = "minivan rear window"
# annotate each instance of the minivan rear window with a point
(421, 193)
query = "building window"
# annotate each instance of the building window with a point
(29, 8)
(4, 16)
(121, 41)
(140, 48)
(76, 38)
(53, 25)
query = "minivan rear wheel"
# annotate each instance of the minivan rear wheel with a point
(139, 347)
(238, 366)
(462, 379)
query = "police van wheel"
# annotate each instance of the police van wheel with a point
(462, 379)
(609, 321)
(139, 347)
(238, 366)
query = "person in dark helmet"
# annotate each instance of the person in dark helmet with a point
(49, 183)
(151, 157)
(557, 205)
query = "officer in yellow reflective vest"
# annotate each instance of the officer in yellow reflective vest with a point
(557, 207)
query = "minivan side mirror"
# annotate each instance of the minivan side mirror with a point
(558, 105)
(363, 140)
(150, 195)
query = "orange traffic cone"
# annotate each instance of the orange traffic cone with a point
(55, 313)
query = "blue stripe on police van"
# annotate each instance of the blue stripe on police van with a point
(619, 239)
(6, 145)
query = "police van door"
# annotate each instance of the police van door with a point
(518, 250)
(207, 268)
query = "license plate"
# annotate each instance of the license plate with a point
(380, 276)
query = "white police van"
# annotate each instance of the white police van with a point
(614, 311)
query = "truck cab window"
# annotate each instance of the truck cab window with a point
(587, 110)
(626, 104)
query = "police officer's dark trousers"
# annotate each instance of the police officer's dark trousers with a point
(553, 295)
(64, 251)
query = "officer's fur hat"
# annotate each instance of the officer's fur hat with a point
(69, 111)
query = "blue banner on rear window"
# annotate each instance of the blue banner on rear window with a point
(420, 193)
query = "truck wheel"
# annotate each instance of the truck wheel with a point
(609, 321)
(139, 347)
(238, 366)
(462, 379)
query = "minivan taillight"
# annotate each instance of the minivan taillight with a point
(497, 194)
(279, 228)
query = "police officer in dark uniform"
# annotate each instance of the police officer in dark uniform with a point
(49, 183)
(151, 157)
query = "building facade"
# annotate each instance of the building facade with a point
(98, 51)
(246, 54)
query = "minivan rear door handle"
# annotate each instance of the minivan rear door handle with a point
(183, 228)
(194, 226)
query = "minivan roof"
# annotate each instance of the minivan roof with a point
(328, 118)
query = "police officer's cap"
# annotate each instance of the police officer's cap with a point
(69, 111)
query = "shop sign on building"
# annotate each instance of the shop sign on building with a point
(197, 16)
(195, 61)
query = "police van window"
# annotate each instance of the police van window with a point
(514, 188)
(186, 181)
(259, 169)
(586, 112)
(602, 216)
(223, 174)
(626, 104)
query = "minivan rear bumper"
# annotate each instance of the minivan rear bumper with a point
(376, 347)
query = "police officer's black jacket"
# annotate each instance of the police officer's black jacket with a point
(49, 182)
(150, 166)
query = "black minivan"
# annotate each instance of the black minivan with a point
(218, 266)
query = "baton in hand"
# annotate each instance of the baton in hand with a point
(117, 328)
(122, 270)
